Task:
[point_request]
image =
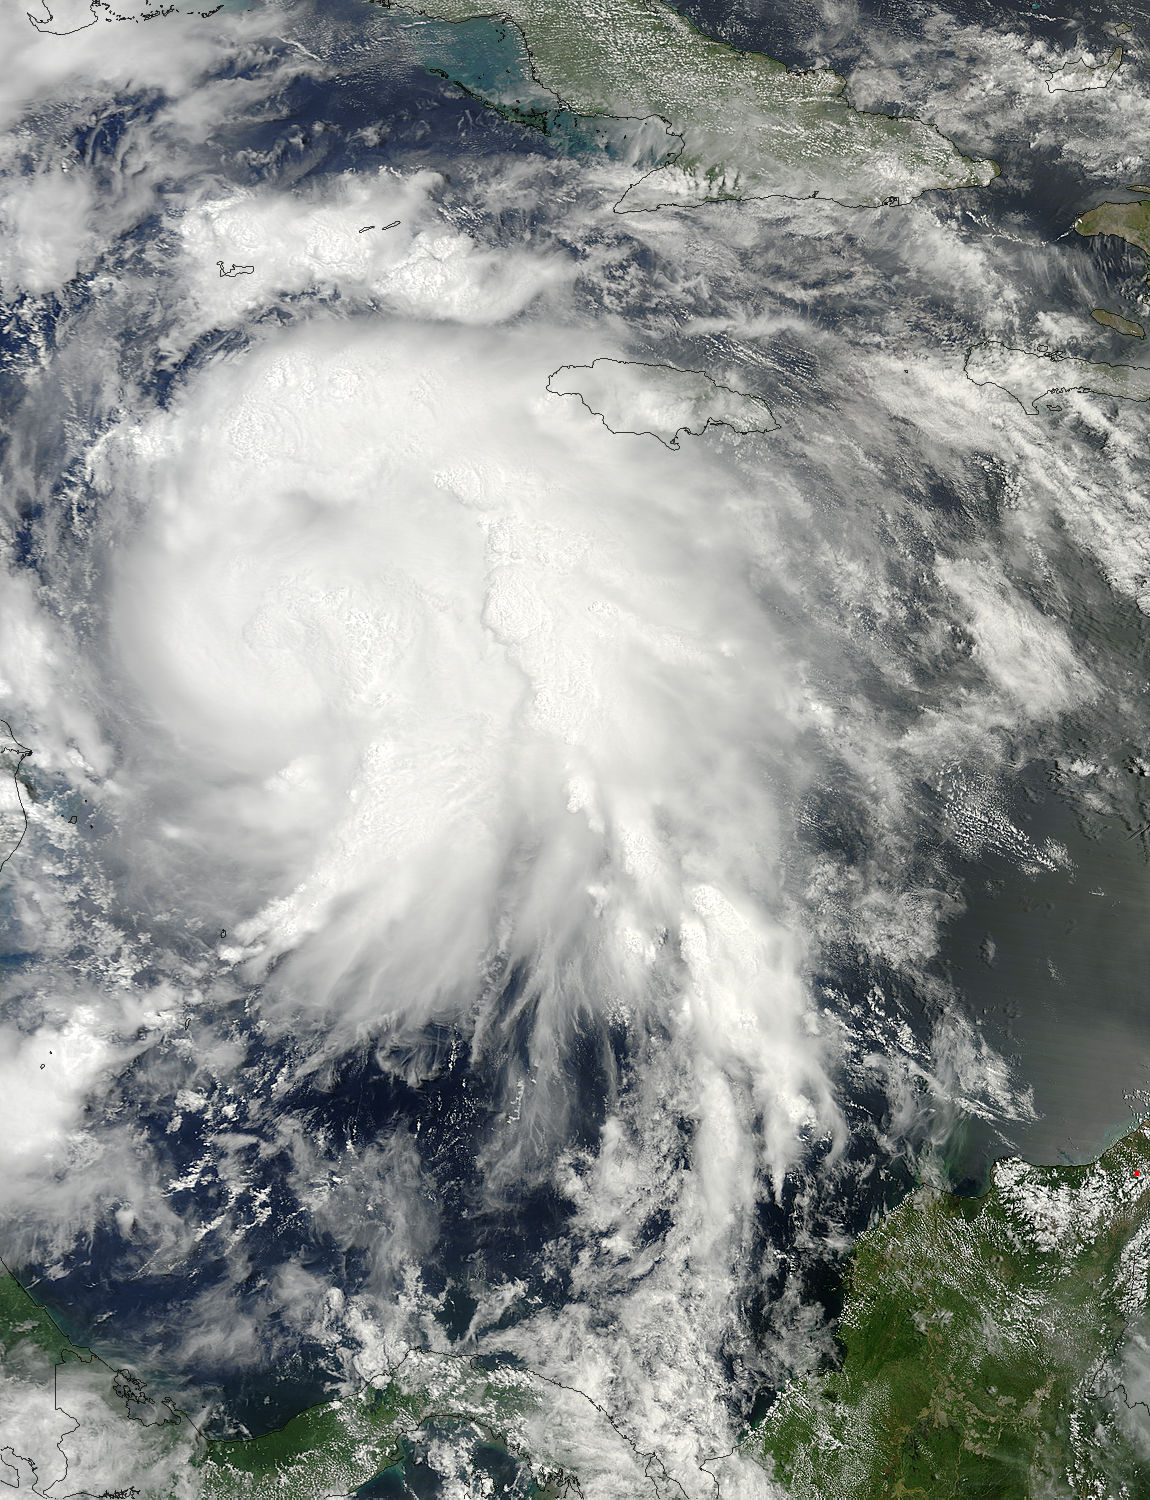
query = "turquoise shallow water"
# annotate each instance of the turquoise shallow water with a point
(488, 60)
(496, 1470)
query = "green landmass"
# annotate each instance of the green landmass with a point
(329, 1449)
(1126, 221)
(26, 1330)
(336, 1447)
(66, 1414)
(745, 125)
(985, 1342)
(1118, 323)
(1030, 376)
(489, 61)
(71, 1421)
(977, 1338)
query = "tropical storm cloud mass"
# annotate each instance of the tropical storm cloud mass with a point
(529, 868)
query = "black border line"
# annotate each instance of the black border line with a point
(672, 442)
(1111, 62)
(177, 1416)
(504, 18)
(1054, 390)
(22, 755)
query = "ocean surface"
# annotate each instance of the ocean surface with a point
(1042, 944)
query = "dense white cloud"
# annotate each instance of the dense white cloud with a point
(451, 706)
(44, 1080)
(369, 236)
(63, 199)
(481, 688)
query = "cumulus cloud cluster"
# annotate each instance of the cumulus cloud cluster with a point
(485, 694)
(396, 721)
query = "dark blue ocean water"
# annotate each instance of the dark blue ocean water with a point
(379, 106)
(1051, 966)
(400, 93)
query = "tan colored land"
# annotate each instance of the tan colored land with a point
(1126, 221)
(746, 125)
(1118, 323)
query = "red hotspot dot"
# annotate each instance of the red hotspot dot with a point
(1137, 1173)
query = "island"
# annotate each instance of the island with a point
(1126, 221)
(743, 124)
(13, 814)
(1119, 324)
(1028, 376)
(1085, 71)
(981, 1345)
(70, 16)
(659, 401)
